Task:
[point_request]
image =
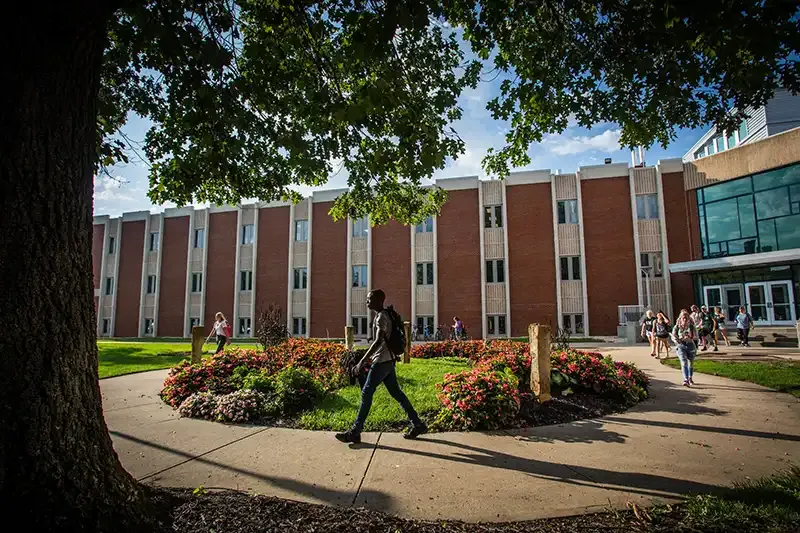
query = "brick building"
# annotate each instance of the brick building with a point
(563, 249)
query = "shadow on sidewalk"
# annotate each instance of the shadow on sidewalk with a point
(339, 498)
(630, 482)
(670, 397)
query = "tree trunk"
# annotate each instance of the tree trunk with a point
(58, 470)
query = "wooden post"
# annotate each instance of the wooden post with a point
(407, 351)
(198, 339)
(349, 337)
(539, 335)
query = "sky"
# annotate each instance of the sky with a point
(573, 148)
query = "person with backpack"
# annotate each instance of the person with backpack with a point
(647, 331)
(458, 328)
(661, 333)
(223, 331)
(697, 319)
(708, 328)
(744, 322)
(684, 334)
(388, 346)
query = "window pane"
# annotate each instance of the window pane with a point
(564, 268)
(498, 216)
(731, 141)
(572, 214)
(501, 325)
(747, 216)
(788, 229)
(722, 219)
(489, 272)
(429, 269)
(562, 213)
(490, 324)
(718, 145)
(772, 203)
(576, 268)
(487, 217)
(501, 272)
(429, 224)
(742, 130)
(420, 279)
(727, 189)
(568, 322)
(777, 177)
(640, 209)
(767, 241)
(652, 205)
(578, 323)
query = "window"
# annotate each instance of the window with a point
(573, 323)
(301, 230)
(646, 206)
(719, 144)
(758, 213)
(153, 241)
(151, 284)
(301, 278)
(298, 326)
(149, 326)
(425, 327)
(742, 131)
(495, 271)
(109, 286)
(654, 263)
(245, 280)
(570, 268)
(193, 322)
(360, 325)
(106, 326)
(424, 273)
(248, 234)
(359, 275)
(244, 326)
(731, 139)
(496, 325)
(700, 153)
(567, 211)
(493, 216)
(197, 282)
(361, 227)
(112, 245)
(200, 238)
(425, 227)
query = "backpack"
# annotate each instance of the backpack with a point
(397, 337)
(228, 331)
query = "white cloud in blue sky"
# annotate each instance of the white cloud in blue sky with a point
(573, 148)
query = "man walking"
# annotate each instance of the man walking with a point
(381, 371)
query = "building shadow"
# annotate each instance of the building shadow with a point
(581, 431)
(669, 397)
(339, 498)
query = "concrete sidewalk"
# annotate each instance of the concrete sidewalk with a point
(680, 441)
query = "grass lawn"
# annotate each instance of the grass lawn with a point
(417, 379)
(784, 377)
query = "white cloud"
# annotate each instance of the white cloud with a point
(608, 141)
(111, 189)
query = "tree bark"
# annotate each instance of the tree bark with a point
(58, 470)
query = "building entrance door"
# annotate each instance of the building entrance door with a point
(727, 297)
(771, 303)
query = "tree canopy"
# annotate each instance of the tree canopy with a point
(251, 97)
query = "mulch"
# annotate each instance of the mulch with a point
(231, 511)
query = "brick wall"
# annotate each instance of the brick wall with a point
(129, 279)
(329, 275)
(391, 265)
(459, 269)
(172, 297)
(273, 259)
(98, 250)
(610, 261)
(531, 262)
(682, 235)
(222, 238)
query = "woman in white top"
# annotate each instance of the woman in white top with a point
(221, 330)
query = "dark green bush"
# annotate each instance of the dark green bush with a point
(296, 390)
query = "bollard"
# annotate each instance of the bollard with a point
(198, 339)
(349, 338)
(539, 336)
(407, 350)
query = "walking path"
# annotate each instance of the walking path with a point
(680, 441)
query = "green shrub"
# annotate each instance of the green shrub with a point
(478, 399)
(259, 381)
(295, 390)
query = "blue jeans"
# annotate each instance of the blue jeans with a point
(382, 373)
(686, 353)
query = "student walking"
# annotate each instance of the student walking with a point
(647, 331)
(661, 334)
(222, 331)
(744, 323)
(697, 319)
(721, 327)
(709, 328)
(684, 334)
(382, 370)
(458, 328)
